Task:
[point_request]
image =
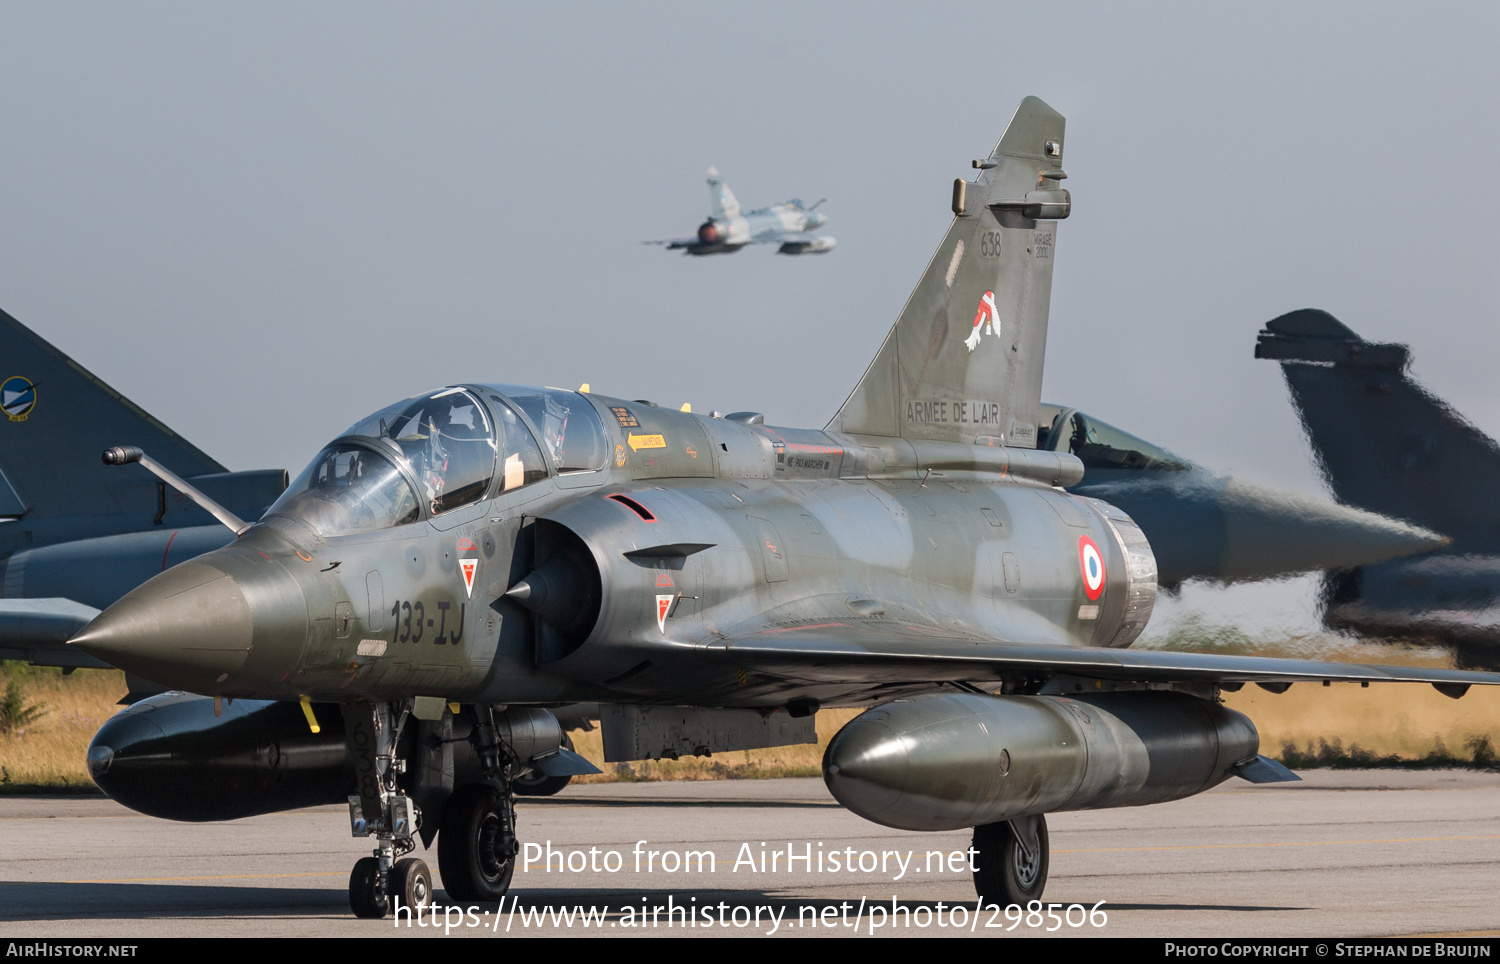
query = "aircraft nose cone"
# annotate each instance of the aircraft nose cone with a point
(1211, 527)
(1270, 532)
(190, 627)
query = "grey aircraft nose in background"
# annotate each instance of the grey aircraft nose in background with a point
(76, 535)
(788, 224)
(1211, 527)
(450, 568)
(1386, 444)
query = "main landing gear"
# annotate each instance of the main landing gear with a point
(1011, 860)
(476, 842)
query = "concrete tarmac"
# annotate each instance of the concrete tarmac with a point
(1344, 853)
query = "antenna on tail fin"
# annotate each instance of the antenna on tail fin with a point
(963, 363)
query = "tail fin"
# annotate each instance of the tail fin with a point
(964, 360)
(726, 205)
(1383, 442)
(57, 420)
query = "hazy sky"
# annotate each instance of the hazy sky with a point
(264, 221)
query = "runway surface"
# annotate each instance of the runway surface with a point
(1353, 853)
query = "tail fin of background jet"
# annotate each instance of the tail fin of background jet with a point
(1382, 441)
(964, 360)
(57, 420)
(726, 205)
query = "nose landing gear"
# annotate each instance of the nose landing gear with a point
(380, 810)
(367, 896)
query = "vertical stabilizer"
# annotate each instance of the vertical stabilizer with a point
(963, 363)
(57, 418)
(726, 205)
(1383, 442)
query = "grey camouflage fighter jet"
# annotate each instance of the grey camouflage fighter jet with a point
(787, 224)
(394, 629)
(1386, 444)
(1212, 527)
(80, 534)
(74, 534)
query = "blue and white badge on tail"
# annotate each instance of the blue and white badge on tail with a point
(17, 397)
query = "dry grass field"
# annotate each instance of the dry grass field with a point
(782, 761)
(48, 751)
(1342, 724)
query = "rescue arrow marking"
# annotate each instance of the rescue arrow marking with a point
(638, 442)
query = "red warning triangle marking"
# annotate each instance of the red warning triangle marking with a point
(469, 567)
(663, 606)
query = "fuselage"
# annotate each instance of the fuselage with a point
(694, 532)
(784, 223)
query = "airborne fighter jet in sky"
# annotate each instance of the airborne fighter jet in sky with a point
(1386, 444)
(401, 619)
(788, 224)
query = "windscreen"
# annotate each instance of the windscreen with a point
(1100, 445)
(447, 441)
(349, 488)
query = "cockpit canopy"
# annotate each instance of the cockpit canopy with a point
(439, 451)
(1102, 446)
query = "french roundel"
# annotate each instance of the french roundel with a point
(1092, 563)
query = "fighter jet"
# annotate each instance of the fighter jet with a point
(393, 631)
(1386, 444)
(787, 224)
(1210, 527)
(1201, 525)
(74, 534)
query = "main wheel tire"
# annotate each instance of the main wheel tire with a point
(1004, 874)
(365, 895)
(535, 783)
(471, 851)
(411, 883)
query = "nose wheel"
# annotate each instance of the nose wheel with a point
(411, 883)
(408, 885)
(1011, 860)
(367, 897)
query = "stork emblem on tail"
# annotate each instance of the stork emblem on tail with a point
(986, 320)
